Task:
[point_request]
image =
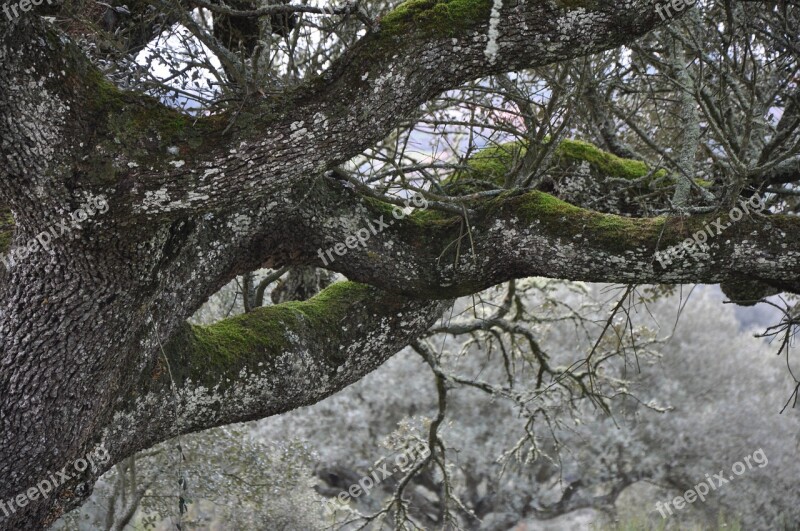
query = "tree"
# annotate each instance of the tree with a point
(95, 344)
(220, 476)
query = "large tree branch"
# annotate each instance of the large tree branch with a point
(433, 255)
(266, 362)
(165, 163)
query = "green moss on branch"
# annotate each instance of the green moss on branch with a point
(6, 229)
(608, 232)
(441, 17)
(216, 354)
(607, 163)
(141, 128)
(562, 219)
(492, 164)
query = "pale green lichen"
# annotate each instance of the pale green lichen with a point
(445, 17)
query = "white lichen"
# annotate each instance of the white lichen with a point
(240, 224)
(494, 32)
(155, 199)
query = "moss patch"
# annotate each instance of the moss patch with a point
(418, 217)
(488, 165)
(444, 17)
(142, 128)
(212, 354)
(606, 231)
(379, 206)
(433, 218)
(563, 219)
(6, 229)
(608, 163)
(491, 164)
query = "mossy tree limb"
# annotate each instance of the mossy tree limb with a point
(269, 361)
(535, 234)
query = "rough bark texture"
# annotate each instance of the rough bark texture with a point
(92, 329)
